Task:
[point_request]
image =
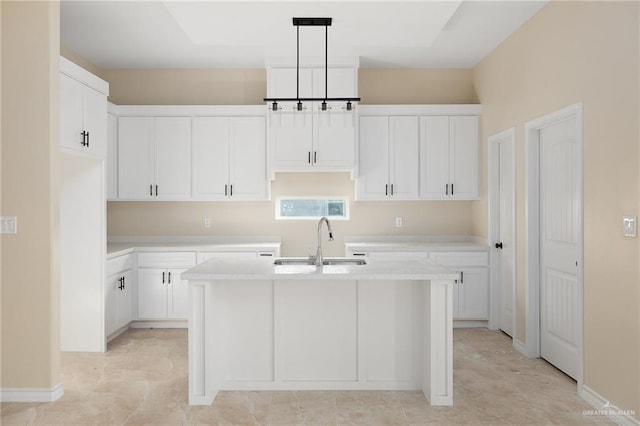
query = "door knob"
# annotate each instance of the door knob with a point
(499, 245)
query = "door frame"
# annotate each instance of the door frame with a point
(532, 226)
(508, 136)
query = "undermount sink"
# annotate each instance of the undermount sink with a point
(326, 261)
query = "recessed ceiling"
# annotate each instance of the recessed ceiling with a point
(243, 34)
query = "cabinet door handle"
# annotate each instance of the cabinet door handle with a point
(151, 190)
(315, 157)
(386, 190)
(451, 189)
(84, 138)
(461, 277)
(230, 190)
(446, 189)
(163, 278)
(359, 254)
(225, 189)
(309, 157)
(87, 139)
(156, 190)
(123, 282)
(169, 281)
(392, 190)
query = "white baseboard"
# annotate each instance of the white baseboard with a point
(118, 332)
(519, 346)
(160, 324)
(604, 408)
(470, 324)
(31, 394)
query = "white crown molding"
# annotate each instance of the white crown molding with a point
(189, 110)
(420, 109)
(78, 73)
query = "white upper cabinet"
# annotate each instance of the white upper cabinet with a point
(83, 110)
(389, 148)
(373, 180)
(112, 163)
(210, 157)
(247, 158)
(282, 83)
(229, 158)
(449, 157)
(172, 157)
(403, 157)
(312, 138)
(342, 83)
(154, 158)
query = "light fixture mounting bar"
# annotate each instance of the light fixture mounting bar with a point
(312, 22)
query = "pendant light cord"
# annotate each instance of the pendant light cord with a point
(298, 61)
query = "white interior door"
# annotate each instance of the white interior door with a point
(560, 210)
(506, 229)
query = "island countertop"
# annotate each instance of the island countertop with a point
(265, 269)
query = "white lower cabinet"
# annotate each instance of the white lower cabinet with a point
(162, 294)
(471, 291)
(118, 293)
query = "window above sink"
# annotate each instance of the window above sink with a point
(312, 208)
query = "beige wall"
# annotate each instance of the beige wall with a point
(298, 236)
(416, 86)
(30, 273)
(581, 52)
(220, 86)
(186, 86)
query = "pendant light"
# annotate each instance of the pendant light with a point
(314, 22)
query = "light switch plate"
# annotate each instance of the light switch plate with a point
(398, 222)
(8, 225)
(630, 226)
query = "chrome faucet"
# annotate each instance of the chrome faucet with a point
(319, 251)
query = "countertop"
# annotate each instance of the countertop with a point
(121, 246)
(415, 243)
(264, 269)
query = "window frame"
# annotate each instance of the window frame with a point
(342, 198)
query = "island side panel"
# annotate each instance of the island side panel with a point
(316, 332)
(201, 388)
(438, 343)
(243, 323)
(390, 334)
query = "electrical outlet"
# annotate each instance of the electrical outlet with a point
(398, 222)
(8, 225)
(207, 222)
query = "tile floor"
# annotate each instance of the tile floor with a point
(143, 380)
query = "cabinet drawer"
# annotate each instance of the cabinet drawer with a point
(119, 264)
(461, 258)
(203, 256)
(167, 260)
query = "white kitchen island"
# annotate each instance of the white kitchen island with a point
(385, 325)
